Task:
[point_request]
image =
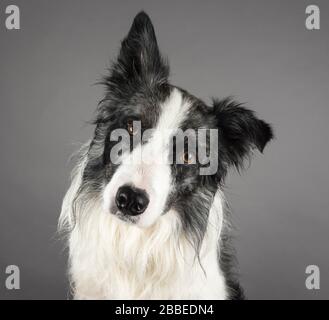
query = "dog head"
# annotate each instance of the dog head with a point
(157, 148)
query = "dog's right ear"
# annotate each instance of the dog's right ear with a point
(139, 62)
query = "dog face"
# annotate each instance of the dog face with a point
(156, 170)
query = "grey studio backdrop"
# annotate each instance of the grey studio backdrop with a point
(256, 50)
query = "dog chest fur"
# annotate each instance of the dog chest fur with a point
(111, 259)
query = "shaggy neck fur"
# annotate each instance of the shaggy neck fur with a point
(110, 259)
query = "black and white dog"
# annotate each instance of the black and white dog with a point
(141, 228)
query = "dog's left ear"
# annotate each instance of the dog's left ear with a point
(240, 130)
(139, 62)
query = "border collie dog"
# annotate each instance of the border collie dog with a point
(143, 221)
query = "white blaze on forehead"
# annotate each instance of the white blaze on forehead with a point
(172, 114)
(152, 176)
(173, 111)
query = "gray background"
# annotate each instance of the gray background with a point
(259, 51)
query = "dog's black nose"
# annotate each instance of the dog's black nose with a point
(131, 201)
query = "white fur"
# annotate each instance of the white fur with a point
(111, 259)
(152, 174)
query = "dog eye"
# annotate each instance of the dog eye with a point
(131, 129)
(188, 158)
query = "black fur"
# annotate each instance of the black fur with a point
(240, 130)
(136, 85)
(140, 70)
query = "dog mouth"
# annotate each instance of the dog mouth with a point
(128, 219)
(123, 217)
